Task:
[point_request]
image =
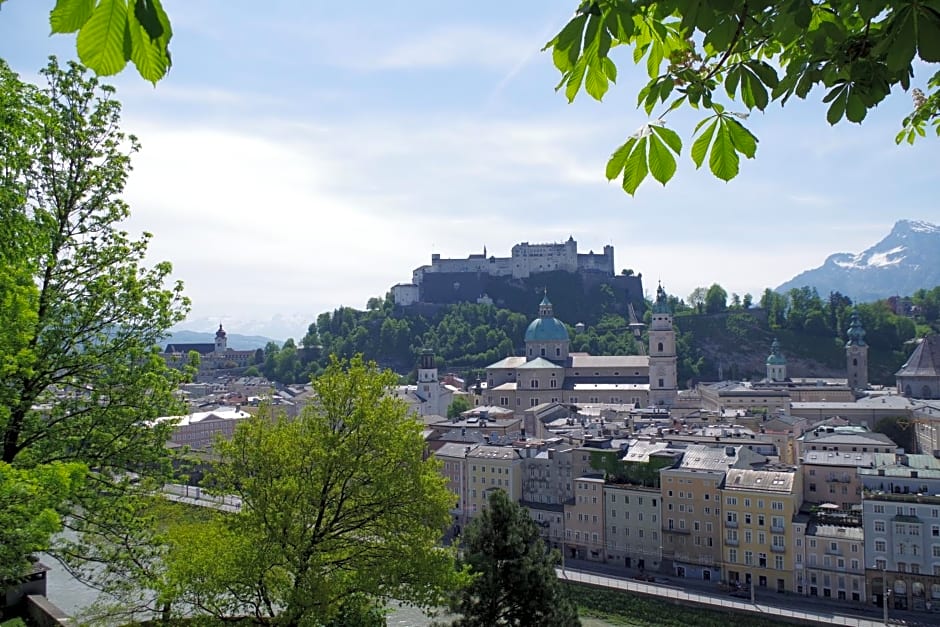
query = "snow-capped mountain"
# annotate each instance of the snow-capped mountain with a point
(906, 260)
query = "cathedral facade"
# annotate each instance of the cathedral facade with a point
(549, 372)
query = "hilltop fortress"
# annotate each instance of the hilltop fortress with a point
(527, 259)
(474, 278)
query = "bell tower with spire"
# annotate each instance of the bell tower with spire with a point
(776, 363)
(856, 354)
(662, 352)
(221, 343)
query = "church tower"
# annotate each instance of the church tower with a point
(776, 364)
(221, 343)
(662, 352)
(856, 354)
(428, 387)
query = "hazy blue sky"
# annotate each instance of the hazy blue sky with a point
(306, 155)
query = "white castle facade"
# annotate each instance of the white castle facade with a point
(527, 259)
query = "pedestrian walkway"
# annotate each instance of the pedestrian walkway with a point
(678, 595)
(194, 495)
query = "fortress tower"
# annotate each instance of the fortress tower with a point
(662, 354)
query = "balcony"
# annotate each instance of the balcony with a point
(685, 532)
(730, 542)
(778, 549)
(833, 551)
(731, 524)
(777, 529)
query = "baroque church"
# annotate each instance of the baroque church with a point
(549, 372)
(214, 355)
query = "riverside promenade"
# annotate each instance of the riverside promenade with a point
(785, 608)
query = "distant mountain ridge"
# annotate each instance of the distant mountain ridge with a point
(906, 260)
(235, 341)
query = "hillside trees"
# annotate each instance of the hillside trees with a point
(717, 56)
(80, 312)
(927, 303)
(514, 581)
(610, 336)
(337, 505)
(716, 299)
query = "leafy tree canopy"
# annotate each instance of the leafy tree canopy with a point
(717, 54)
(339, 507)
(112, 32)
(716, 299)
(30, 509)
(459, 405)
(80, 312)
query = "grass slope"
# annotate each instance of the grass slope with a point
(622, 608)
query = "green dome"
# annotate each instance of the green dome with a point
(546, 330)
(775, 358)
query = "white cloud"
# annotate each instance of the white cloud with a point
(451, 46)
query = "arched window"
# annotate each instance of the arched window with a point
(907, 391)
(659, 347)
(855, 361)
(925, 393)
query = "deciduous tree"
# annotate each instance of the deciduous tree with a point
(716, 299)
(338, 505)
(80, 312)
(109, 33)
(459, 405)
